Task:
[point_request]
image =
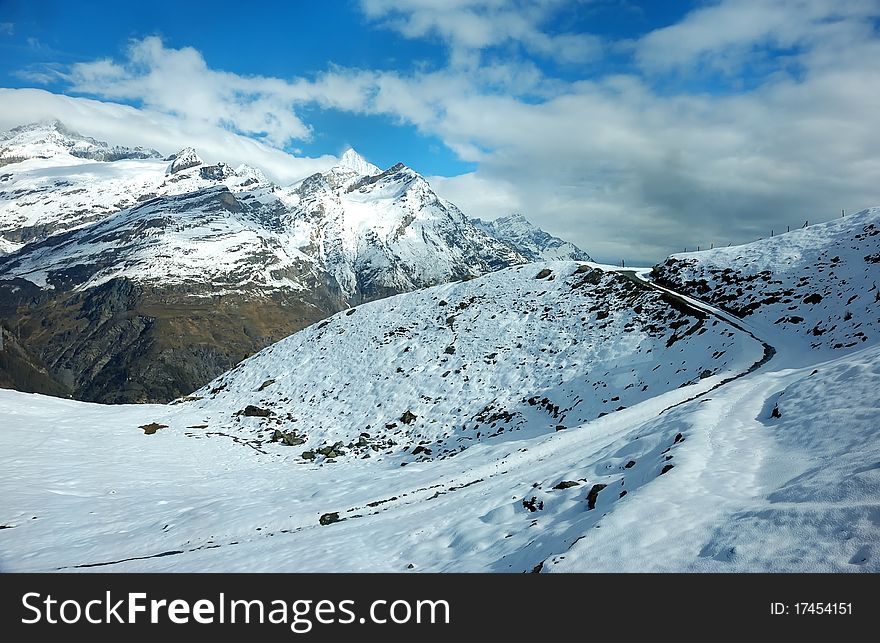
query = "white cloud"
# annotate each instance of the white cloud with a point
(124, 125)
(7, 28)
(470, 26)
(485, 198)
(178, 81)
(731, 33)
(625, 172)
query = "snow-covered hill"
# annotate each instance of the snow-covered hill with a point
(521, 352)
(531, 241)
(817, 286)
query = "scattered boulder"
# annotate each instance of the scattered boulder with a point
(329, 518)
(290, 439)
(265, 384)
(255, 411)
(678, 438)
(667, 467)
(187, 398)
(630, 464)
(533, 504)
(545, 272)
(594, 495)
(567, 484)
(408, 417)
(450, 350)
(308, 455)
(152, 427)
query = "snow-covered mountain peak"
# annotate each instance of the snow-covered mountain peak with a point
(51, 138)
(392, 183)
(250, 175)
(353, 161)
(184, 159)
(517, 231)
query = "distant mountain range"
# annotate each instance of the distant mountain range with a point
(132, 277)
(533, 243)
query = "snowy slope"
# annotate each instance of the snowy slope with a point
(8, 247)
(707, 477)
(530, 241)
(817, 286)
(756, 492)
(520, 352)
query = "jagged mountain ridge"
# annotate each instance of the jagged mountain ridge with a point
(531, 241)
(388, 232)
(363, 236)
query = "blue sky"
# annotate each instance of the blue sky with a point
(633, 128)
